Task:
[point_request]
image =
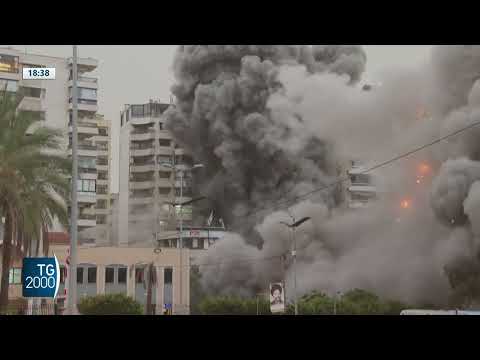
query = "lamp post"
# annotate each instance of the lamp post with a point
(294, 226)
(181, 170)
(72, 284)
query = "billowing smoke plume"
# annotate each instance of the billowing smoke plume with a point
(253, 157)
(274, 122)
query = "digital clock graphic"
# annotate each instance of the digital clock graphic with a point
(38, 73)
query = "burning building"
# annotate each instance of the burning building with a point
(271, 124)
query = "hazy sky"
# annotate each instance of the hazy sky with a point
(130, 74)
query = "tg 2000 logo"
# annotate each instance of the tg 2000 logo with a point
(40, 277)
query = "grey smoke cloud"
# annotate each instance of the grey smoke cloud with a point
(274, 120)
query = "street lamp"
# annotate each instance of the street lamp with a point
(294, 226)
(181, 170)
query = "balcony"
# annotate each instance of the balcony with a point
(85, 149)
(141, 201)
(101, 167)
(142, 168)
(164, 134)
(86, 222)
(85, 128)
(179, 152)
(88, 198)
(39, 84)
(179, 200)
(163, 150)
(90, 107)
(164, 183)
(102, 196)
(103, 182)
(102, 152)
(102, 211)
(141, 185)
(85, 82)
(32, 104)
(362, 188)
(142, 136)
(87, 175)
(84, 64)
(142, 152)
(146, 217)
(141, 120)
(359, 204)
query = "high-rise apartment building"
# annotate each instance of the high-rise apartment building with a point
(51, 100)
(145, 185)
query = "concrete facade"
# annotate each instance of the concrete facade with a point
(145, 185)
(129, 262)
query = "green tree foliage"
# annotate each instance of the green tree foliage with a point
(34, 183)
(226, 305)
(354, 302)
(110, 304)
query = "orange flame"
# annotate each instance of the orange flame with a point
(424, 168)
(405, 204)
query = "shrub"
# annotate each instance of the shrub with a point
(111, 304)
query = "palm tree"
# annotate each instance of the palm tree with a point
(34, 182)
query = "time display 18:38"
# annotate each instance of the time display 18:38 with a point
(38, 73)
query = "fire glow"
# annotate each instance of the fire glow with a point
(405, 204)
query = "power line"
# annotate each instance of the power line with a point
(338, 181)
(377, 166)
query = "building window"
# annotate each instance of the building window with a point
(137, 110)
(201, 243)
(8, 85)
(168, 276)
(164, 174)
(15, 276)
(32, 92)
(160, 125)
(80, 275)
(122, 275)
(9, 64)
(86, 94)
(86, 185)
(87, 163)
(109, 275)
(164, 158)
(92, 275)
(62, 274)
(186, 192)
(139, 275)
(102, 189)
(365, 196)
(165, 142)
(360, 179)
(102, 132)
(101, 219)
(101, 160)
(164, 190)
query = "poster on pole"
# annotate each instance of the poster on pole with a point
(277, 298)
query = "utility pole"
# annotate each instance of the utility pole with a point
(176, 170)
(181, 238)
(294, 255)
(293, 226)
(72, 285)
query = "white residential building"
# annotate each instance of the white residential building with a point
(51, 100)
(361, 189)
(145, 185)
